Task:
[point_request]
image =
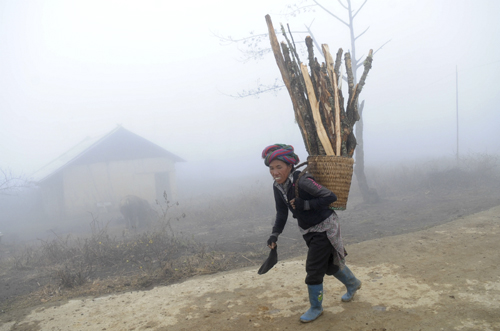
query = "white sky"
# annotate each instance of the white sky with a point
(71, 69)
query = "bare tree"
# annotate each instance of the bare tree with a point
(369, 194)
(10, 183)
(255, 50)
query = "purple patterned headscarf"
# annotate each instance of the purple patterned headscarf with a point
(280, 152)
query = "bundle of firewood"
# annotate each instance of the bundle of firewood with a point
(325, 124)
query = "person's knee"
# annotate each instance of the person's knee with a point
(332, 269)
(314, 279)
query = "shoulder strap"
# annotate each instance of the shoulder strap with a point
(296, 182)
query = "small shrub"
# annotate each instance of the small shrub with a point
(69, 278)
(153, 254)
(27, 257)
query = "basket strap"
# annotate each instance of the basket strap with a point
(298, 178)
(302, 164)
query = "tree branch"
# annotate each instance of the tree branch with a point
(329, 12)
(359, 9)
(261, 88)
(318, 48)
(291, 46)
(251, 46)
(378, 49)
(295, 10)
(9, 182)
(343, 5)
(230, 39)
(359, 63)
(362, 33)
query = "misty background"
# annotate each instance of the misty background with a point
(77, 69)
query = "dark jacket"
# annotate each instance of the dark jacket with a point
(313, 211)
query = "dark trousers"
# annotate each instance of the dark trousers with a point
(319, 257)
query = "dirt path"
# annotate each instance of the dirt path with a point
(442, 278)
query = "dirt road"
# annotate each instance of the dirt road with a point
(441, 278)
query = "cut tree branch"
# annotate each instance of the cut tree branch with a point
(318, 48)
(323, 137)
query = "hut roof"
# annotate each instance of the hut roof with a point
(119, 144)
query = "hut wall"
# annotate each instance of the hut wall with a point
(99, 187)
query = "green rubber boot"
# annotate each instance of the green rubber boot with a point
(316, 300)
(350, 281)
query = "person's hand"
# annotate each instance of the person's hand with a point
(271, 242)
(298, 204)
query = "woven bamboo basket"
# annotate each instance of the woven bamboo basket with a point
(335, 173)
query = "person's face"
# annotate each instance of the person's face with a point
(280, 170)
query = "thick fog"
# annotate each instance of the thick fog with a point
(77, 69)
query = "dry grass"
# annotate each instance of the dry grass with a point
(102, 262)
(105, 261)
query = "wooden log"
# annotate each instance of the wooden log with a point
(330, 66)
(349, 73)
(292, 61)
(352, 114)
(299, 106)
(321, 92)
(336, 109)
(338, 62)
(333, 76)
(353, 102)
(312, 63)
(367, 66)
(320, 81)
(285, 75)
(320, 130)
(318, 103)
(344, 123)
(326, 104)
(351, 140)
(277, 53)
(337, 114)
(291, 44)
(303, 110)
